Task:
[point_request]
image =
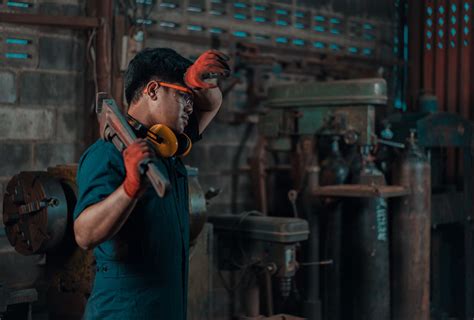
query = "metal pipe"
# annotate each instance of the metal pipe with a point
(267, 277)
(73, 22)
(369, 252)
(104, 40)
(411, 236)
(252, 298)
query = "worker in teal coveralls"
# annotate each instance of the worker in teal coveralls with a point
(140, 240)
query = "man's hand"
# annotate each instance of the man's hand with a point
(133, 155)
(211, 64)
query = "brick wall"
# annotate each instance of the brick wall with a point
(41, 109)
(41, 92)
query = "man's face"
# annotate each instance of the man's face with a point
(172, 108)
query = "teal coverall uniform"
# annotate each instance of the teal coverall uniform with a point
(142, 272)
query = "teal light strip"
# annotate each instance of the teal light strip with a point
(281, 40)
(319, 45)
(17, 4)
(240, 16)
(353, 50)
(240, 34)
(216, 30)
(240, 5)
(195, 28)
(298, 42)
(320, 18)
(16, 55)
(22, 42)
(299, 25)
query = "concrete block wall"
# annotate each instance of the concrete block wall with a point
(41, 92)
(41, 108)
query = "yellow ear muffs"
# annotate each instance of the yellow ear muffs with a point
(184, 145)
(164, 140)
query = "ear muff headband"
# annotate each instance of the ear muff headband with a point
(184, 145)
(164, 140)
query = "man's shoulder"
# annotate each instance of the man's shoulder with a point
(100, 151)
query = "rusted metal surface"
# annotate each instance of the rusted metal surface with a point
(465, 80)
(361, 191)
(34, 212)
(200, 295)
(334, 171)
(428, 46)
(367, 270)
(10, 297)
(275, 317)
(197, 205)
(415, 22)
(468, 171)
(73, 22)
(104, 44)
(447, 208)
(440, 35)
(410, 231)
(70, 271)
(119, 31)
(258, 175)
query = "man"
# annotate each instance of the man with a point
(140, 240)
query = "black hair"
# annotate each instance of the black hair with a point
(163, 64)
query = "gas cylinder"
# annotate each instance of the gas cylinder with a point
(410, 232)
(334, 170)
(367, 250)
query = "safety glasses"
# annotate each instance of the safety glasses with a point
(182, 92)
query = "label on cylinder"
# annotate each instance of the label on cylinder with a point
(381, 215)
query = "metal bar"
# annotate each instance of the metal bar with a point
(415, 47)
(360, 190)
(104, 41)
(117, 76)
(452, 46)
(73, 22)
(334, 60)
(452, 52)
(468, 234)
(465, 58)
(440, 53)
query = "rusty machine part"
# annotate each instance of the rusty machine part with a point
(334, 171)
(318, 110)
(38, 209)
(260, 245)
(410, 236)
(367, 268)
(35, 212)
(345, 108)
(197, 205)
(452, 232)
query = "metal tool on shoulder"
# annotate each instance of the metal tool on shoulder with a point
(114, 128)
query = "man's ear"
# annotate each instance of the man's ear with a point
(151, 89)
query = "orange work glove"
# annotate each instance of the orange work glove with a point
(210, 65)
(133, 155)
